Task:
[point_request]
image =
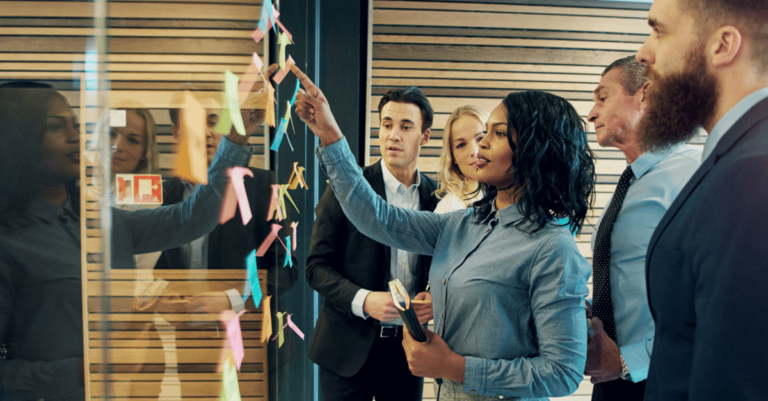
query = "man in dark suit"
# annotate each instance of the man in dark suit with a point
(358, 335)
(706, 265)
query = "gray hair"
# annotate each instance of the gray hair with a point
(631, 74)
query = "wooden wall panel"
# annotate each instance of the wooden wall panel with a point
(462, 53)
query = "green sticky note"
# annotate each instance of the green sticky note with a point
(230, 389)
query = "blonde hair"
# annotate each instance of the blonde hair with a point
(149, 164)
(450, 178)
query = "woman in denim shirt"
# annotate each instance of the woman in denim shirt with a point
(41, 318)
(508, 282)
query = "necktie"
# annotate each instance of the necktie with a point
(602, 307)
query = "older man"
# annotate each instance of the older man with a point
(706, 265)
(619, 353)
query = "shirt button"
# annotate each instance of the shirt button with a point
(473, 391)
(501, 397)
(487, 231)
(442, 314)
(443, 281)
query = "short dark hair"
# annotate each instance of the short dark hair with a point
(553, 166)
(412, 95)
(749, 15)
(631, 74)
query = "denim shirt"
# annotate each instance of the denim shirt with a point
(41, 318)
(510, 302)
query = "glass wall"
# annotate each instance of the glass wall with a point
(154, 247)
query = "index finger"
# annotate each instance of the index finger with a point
(303, 78)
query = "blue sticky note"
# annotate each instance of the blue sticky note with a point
(295, 92)
(264, 17)
(279, 135)
(288, 261)
(253, 278)
(268, 6)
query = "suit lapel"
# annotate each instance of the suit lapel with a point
(752, 117)
(377, 184)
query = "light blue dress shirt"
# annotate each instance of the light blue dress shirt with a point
(730, 118)
(510, 302)
(658, 179)
(402, 263)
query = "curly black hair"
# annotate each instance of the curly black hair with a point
(553, 166)
(23, 109)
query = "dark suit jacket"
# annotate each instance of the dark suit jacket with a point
(342, 261)
(229, 244)
(707, 275)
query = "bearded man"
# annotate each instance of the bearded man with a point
(707, 261)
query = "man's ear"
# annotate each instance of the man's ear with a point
(643, 92)
(176, 132)
(725, 45)
(425, 137)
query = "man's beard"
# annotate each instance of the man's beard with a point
(678, 104)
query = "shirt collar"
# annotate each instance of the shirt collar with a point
(506, 216)
(391, 183)
(730, 118)
(647, 160)
(48, 212)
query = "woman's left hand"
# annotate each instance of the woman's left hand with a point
(432, 358)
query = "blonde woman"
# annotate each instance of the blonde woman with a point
(458, 187)
(134, 145)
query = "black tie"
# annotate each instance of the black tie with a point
(602, 307)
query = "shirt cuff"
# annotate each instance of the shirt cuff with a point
(235, 299)
(637, 358)
(475, 372)
(359, 300)
(334, 152)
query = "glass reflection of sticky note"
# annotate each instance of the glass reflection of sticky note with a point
(280, 335)
(230, 86)
(279, 135)
(274, 205)
(266, 319)
(192, 159)
(288, 261)
(268, 241)
(230, 388)
(234, 334)
(253, 279)
(293, 226)
(294, 327)
(236, 176)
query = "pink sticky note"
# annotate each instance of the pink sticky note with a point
(294, 327)
(234, 334)
(268, 241)
(229, 204)
(275, 12)
(293, 240)
(257, 61)
(236, 175)
(284, 71)
(257, 35)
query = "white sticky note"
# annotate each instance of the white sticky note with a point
(117, 118)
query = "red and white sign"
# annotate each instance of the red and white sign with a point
(139, 189)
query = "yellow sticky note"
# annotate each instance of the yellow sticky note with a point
(192, 159)
(280, 336)
(231, 92)
(266, 319)
(288, 111)
(230, 388)
(283, 41)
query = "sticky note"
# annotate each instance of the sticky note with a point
(266, 319)
(233, 105)
(297, 177)
(230, 388)
(279, 135)
(295, 92)
(234, 334)
(293, 226)
(288, 260)
(248, 79)
(282, 41)
(228, 204)
(257, 61)
(280, 24)
(274, 206)
(280, 75)
(280, 335)
(192, 159)
(253, 278)
(257, 35)
(270, 109)
(236, 176)
(117, 118)
(268, 241)
(294, 327)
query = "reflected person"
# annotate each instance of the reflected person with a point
(508, 282)
(41, 317)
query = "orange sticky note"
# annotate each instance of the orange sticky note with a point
(274, 206)
(192, 159)
(266, 319)
(297, 177)
(270, 105)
